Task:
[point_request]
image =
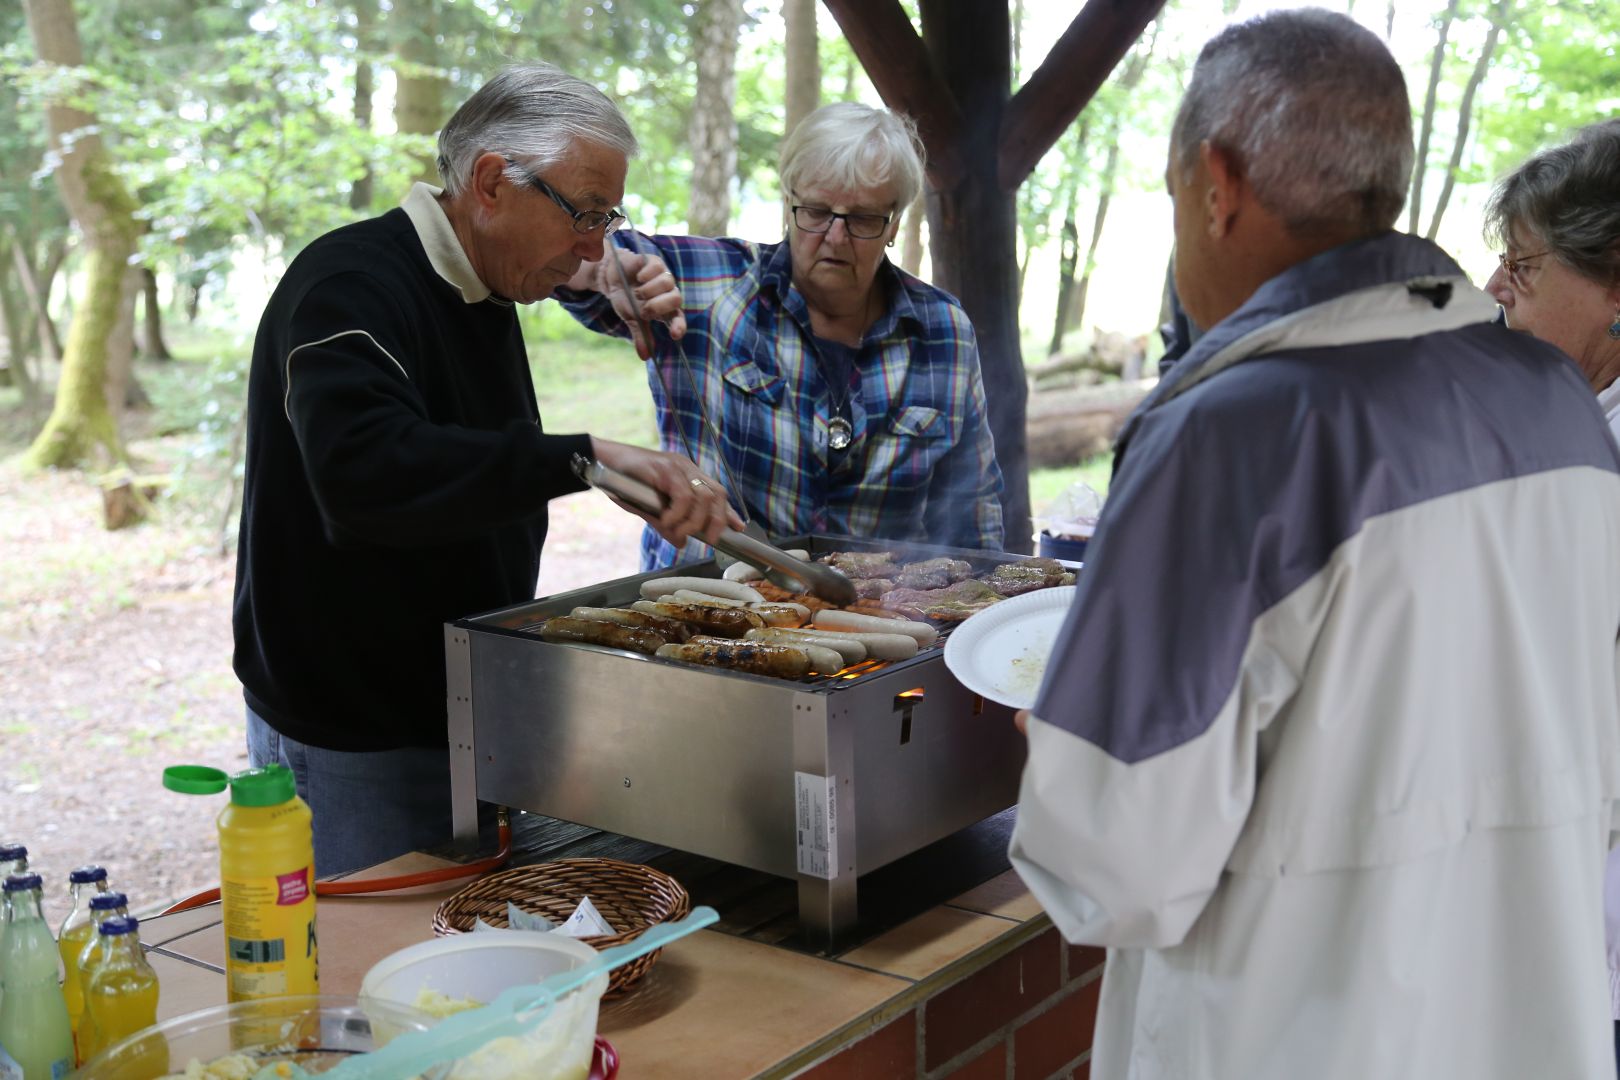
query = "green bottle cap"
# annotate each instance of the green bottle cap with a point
(194, 779)
(269, 786)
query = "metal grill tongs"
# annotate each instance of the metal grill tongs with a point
(780, 567)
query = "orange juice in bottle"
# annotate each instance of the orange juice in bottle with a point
(122, 997)
(74, 935)
(103, 906)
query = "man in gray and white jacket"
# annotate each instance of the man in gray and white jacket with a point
(1356, 827)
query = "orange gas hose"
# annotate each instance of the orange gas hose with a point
(389, 884)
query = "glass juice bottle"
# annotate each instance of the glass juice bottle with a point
(36, 1040)
(122, 995)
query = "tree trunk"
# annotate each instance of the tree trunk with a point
(1104, 197)
(420, 87)
(973, 229)
(152, 344)
(81, 421)
(1421, 161)
(1389, 22)
(803, 70)
(38, 295)
(45, 327)
(713, 131)
(911, 239)
(1068, 260)
(15, 372)
(1465, 114)
(365, 19)
(122, 386)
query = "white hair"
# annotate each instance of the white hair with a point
(1314, 109)
(535, 112)
(846, 145)
(1569, 197)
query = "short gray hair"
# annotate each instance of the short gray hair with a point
(1314, 108)
(533, 111)
(847, 145)
(1569, 197)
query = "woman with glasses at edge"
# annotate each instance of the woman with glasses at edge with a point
(845, 393)
(1557, 220)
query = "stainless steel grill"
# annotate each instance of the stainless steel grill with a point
(822, 779)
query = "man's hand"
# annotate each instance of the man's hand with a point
(655, 289)
(1021, 722)
(694, 504)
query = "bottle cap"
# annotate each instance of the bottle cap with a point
(269, 786)
(122, 924)
(194, 779)
(108, 901)
(21, 882)
(11, 851)
(84, 875)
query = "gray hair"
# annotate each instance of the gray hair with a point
(1314, 109)
(1569, 197)
(847, 145)
(533, 111)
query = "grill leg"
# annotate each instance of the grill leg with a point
(826, 910)
(463, 758)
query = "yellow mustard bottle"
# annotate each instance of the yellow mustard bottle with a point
(266, 880)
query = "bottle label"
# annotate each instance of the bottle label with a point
(9, 1068)
(270, 943)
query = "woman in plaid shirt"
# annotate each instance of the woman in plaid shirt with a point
(847, 393)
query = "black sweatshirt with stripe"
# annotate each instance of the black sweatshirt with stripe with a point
(397, 476)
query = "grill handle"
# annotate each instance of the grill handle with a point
(824, 581)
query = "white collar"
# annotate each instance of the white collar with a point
(443, 248)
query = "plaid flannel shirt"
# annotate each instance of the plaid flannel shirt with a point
(922, 464)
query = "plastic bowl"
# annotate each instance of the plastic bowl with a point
(315, 1032)
(477, 967)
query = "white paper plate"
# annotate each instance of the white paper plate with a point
(1001, 652)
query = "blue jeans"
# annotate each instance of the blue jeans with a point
(369, 806)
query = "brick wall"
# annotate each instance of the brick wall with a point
(1027, 1015)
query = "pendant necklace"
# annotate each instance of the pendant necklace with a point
(840, 432)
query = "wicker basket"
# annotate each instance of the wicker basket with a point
(629, 896)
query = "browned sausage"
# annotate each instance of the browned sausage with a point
(668, 629)
(755, 657)
(719, 621)
(595, 632)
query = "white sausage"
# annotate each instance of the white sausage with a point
(823, 661)
(878, 646)
(687, 596)
(782, 613)
(836, 619)
(852, 651)
(741, 571)
(727, 590)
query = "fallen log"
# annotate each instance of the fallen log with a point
(1065, 427)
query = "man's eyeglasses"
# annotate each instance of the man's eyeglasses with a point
(819, 219)
(1515, 266)
(585, 221)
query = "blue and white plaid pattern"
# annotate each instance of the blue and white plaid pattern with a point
(922, 465)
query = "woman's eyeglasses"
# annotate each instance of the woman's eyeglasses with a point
(1514, 266)
(585, 221)
(819, 219)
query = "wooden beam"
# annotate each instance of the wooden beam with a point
(1070, 76)
(898, 64)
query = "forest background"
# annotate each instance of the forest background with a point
(224, 135)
